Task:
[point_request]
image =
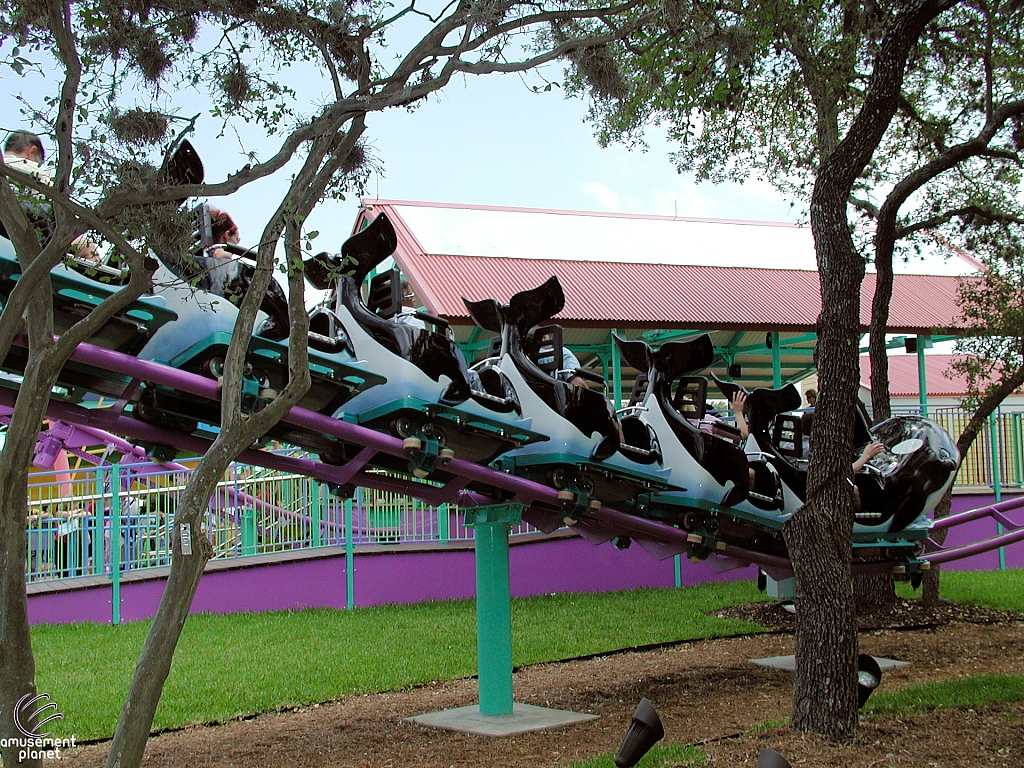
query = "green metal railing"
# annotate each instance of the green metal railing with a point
(996, 460)
(75, 516)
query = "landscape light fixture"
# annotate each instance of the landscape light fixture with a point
(769, 758)
(869, 675)
(643, 732)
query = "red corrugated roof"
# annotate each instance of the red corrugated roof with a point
(903, 376)
(662, 295)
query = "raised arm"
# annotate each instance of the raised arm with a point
(737, 404)
(872, 450)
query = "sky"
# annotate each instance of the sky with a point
(490, 140)
(483, 139)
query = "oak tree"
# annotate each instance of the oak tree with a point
(105, 79)
(802, 94)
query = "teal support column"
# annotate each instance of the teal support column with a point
(677, 567)
(115, 544)
(923, 342)
(616, 372)
(997, 480)
(1018, 443)
(776, 361)
(494, 604)
(350, 560)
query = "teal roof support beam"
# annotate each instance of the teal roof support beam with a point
(616, 368)
(776, 360)
(899, 342)
(923, 342)
(661, 336)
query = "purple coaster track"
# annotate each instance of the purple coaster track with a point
(936, 553)
(602, 525)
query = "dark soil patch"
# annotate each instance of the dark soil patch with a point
(707, 693)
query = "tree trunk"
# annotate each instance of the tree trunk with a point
(874, 593)
(824, 689)
(154, 664)
(820, 534)
(17, 665)
(930, 582)
(884, 242)
(877, 592)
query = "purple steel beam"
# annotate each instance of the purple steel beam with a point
(432, 495)
(938, 554)
(140, 430)
(94, 435)
(993, 510)
(353, 472)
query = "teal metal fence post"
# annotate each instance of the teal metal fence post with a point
(315, 514)
(115, 544)
(1018, 444)
(249, 531)
(491, 527)
(350, 565)
(99, 555)
(444, 532)
(677, 567)
(997, 484)
(923, 342)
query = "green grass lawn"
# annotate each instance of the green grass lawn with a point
(237, 664)
(973, 692)
(1003, 590)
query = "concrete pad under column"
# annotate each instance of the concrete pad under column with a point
(523, 719)
(788, 663)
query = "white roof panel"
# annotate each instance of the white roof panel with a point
(466, 230)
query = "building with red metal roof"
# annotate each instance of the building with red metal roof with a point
(944, 385)
(752, 285)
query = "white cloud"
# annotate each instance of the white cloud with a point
(605, 198)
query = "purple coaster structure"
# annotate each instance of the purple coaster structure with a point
(543, 505)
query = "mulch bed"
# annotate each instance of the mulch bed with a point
(706, 693)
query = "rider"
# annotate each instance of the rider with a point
(738, 405)
(23, 151)
(221, 272)
(407, 314)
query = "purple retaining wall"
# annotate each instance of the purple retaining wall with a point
(550, 565)
(537, 567)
